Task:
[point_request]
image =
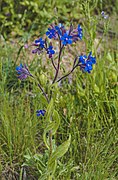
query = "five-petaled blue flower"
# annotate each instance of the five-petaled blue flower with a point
(51, 33)
(50, 51)
(39, 42)
(23, 72)
(40, 112)
(66, 39)
(86, 63)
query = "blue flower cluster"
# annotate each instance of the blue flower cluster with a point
(86, 63)
(57, 32)
(40, 44)
(22, 72)
(65, 36)
(40, 112)
(43, 46)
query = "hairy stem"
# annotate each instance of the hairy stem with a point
(40, 88)
(67, 74)
(53, 64)
(58, 65)
(43, 92)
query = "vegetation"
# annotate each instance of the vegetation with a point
(85, 104)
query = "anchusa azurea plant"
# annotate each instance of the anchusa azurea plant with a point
(64, 37)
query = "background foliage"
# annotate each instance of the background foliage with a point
(19, 17)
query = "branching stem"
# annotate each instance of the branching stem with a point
(67, 74)
(59, 59)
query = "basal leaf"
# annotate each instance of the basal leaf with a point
(59, 152)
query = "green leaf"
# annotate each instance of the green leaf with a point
(56, 122)
(44, 134)
(53, 126)
(49, 110)
(59, 152)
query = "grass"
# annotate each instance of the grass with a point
(88, 109)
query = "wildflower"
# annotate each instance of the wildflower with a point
(91, 58)
(40, 43)
(66, 39)
(40, 112)
(50, 51)
(105, 16)
(86, 63)
(82, 59)
(76, 33)
(79, 29)
(23, 72)
(60, 29)
(51, 33)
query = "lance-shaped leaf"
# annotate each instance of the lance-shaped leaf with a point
(53, 126)
(59, 152)
(49, 110)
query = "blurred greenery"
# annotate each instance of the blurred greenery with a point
(19, 17)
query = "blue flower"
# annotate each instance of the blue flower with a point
(51, 33)
(18, 68)
(82, 59)
(86, 63)
(76, 33)
(88, 67)
(91, 58)
(79, 29)
(60, 29)
(22, 72)
(40, 112)
(50, 51)
(66, 39)
(40, 42)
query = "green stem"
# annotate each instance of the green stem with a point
(50, 141)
